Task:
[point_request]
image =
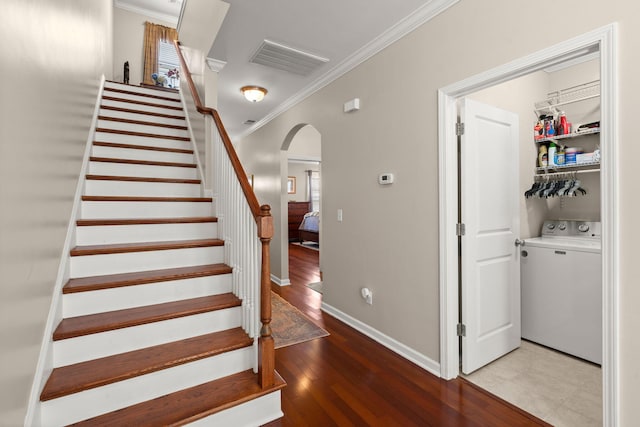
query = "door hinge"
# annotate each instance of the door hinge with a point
(462, 330)
(460, 229)
(459, 129)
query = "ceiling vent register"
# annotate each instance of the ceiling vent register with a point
(286, 58)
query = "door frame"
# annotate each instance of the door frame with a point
(603, 39)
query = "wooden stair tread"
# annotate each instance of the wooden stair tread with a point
(139, 221)
(147, 113)
(94, 283)
(147, 95)
(144, 134)
(142, 162)
(141, 122)
(148, 104)
(142, 147)
(189, 405)
(108, 321)
(145, 199)
(107, 370)
(142, 179)
(119, 248)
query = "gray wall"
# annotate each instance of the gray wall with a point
(55, 53)
(388, 240)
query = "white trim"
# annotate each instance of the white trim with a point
(280, 282)
(424, 14)
(572, 62)
(45, 359)
(215, 65)
(170, 19)
(196, 154)
(604, 38)
(403, 350)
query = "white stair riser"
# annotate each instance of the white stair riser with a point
(108, 234)
(131, 127)
(114, 210)
(100, 400)
(97, 265)
(136, 154)
(96, 187)
(142, 140)
(83, 303)
(139, 107)
(140, 90)
(256, 412)
(147, 171)
(94, 346)
(143, 98)
(143, 117)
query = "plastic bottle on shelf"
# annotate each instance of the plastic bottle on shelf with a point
(549, 127)
(552, 154)
(538, 129)
(560, 157)
(563, 125)
(543, 157)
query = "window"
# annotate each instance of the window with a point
(168, 60)
(315, 191)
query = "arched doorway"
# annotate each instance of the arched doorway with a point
(300, 171)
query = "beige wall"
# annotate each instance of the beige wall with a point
(128, 39)
(388, 240)
(58, 50)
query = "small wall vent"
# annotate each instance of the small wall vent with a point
(285, 58)
(249, 122)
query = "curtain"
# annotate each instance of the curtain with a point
(153, 34)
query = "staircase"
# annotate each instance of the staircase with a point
(151, 330)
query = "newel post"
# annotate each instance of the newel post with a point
(266, 350)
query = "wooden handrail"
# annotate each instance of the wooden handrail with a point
(233, 156)
(264, 221)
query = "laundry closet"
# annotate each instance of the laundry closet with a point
(559, 244)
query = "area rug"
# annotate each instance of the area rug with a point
(289, 326)
(316, 286)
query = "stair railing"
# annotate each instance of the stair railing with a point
(247, 229)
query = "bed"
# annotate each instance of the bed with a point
(310, 227)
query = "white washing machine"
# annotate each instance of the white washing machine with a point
(561, 281)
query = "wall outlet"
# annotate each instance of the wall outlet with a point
(367, 295)
(339, 215)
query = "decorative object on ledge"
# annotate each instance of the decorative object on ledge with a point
(173, 76)
(125, 79)
(159, 79)
(253, 93)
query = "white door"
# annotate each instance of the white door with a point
(490, 274)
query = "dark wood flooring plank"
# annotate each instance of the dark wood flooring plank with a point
(347, 379)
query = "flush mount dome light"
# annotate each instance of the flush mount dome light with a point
(253, 93)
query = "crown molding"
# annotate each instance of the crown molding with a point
(419, 17)
(215, 65)
(170, 19)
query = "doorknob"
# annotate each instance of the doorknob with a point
(519, 242)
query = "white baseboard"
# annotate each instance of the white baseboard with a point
(280, 282)
(408, 353)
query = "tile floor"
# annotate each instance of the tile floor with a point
(560, 389)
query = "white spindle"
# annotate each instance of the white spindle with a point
(239, 230)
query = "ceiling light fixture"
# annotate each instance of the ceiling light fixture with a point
(253, 93)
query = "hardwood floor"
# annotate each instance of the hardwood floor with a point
(347, 379)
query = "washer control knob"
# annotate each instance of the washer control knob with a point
(562, 226)
(551, 226)
(583, 228)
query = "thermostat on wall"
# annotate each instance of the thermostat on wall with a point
(385, 178)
